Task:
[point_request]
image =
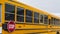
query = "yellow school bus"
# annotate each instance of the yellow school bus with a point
(28, 20)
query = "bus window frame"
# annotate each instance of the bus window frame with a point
(36, 13)
(45, 22)
(40, 18)
(18, 14)
(26, 16)
(10, 12)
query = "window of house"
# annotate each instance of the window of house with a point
(28, 16)
(36, 17)
(20, 14)
(9, 12)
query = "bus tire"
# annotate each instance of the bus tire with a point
(57, 32)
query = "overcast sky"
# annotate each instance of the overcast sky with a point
(51, 6)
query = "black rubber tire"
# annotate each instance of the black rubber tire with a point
(57, 33)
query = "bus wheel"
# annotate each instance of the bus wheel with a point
(57, 32)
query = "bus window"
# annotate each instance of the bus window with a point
(9, 16)
(36, 17)
(52, 21)
(9, 8)
(45, 19)
(9, 12)
(28, 16)
(0, 11)
(57, 22)
(20, 11)
(20, 14)
(41, 18)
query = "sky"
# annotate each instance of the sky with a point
(51, 6)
